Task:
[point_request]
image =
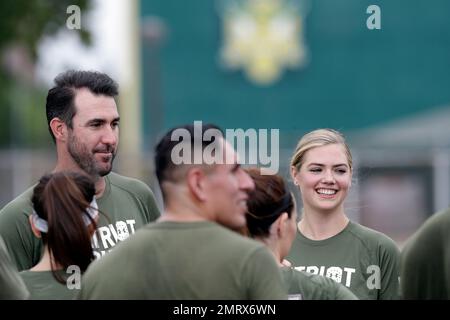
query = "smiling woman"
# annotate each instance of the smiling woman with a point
(327, 242)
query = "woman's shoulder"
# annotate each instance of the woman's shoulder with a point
(371, 238)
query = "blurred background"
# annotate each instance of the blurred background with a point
(292, 65)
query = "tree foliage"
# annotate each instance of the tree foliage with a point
(23, 23)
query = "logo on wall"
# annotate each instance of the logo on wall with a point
(263, 37)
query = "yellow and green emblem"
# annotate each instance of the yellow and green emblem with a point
(263, 37)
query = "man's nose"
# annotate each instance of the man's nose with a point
(109, 136)
(247, 182)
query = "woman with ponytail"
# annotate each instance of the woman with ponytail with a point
(64, 216)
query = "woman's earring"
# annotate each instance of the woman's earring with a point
(295, 182)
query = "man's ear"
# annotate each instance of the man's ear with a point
(59, 129)
(196, 180)
(36, 232)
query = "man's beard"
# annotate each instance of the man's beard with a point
(86, 160)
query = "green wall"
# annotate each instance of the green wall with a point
(356, 77)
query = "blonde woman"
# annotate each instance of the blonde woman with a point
(327, 242)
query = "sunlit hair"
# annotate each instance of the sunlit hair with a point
(266, 203)
(61, 199)
(319, 138)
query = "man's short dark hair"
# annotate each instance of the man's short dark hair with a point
(60, 99)
(164, 164)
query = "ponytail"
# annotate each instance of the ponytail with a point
(62, 200)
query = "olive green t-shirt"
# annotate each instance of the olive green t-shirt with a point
(185, 260)
(425, 268)
(11, 285)
(128, 203)
(306, 286)
(362, 259)
(43, 286)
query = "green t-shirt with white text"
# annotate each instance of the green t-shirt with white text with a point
(185, 260)
(306, 286)
(362, 259)
(128, 203)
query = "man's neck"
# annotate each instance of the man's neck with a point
(100, 182)
(180, 217)
(100, 186)
(182, 212)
